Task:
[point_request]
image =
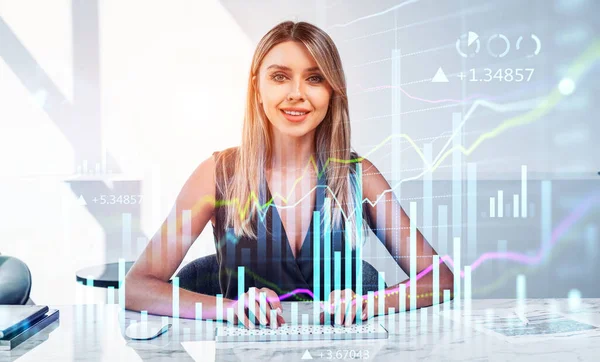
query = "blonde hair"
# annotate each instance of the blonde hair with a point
(332, 138)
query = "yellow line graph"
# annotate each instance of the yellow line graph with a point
(575, 71)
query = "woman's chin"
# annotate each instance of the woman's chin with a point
(293, 131)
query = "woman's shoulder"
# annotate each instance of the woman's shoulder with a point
(227, 154)
(225, 164)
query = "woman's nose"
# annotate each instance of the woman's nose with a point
(296, 92)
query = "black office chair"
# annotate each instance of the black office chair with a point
(15, 281)
(202, 276)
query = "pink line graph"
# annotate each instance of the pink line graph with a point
(557, 233)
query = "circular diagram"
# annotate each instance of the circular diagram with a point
(538, 45)
(469, 51)
(506, 41)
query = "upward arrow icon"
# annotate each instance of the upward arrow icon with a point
(440, 77)
(306, 355)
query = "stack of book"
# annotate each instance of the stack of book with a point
(19, 322)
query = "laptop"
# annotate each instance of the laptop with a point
(17, 317)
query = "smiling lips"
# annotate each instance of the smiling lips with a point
(295, 114)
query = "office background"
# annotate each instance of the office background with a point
(100, 100)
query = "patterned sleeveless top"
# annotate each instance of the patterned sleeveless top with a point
(268, 260)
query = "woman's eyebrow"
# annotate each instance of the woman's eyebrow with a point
(283, 67)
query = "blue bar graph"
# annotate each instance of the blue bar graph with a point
(402, 304)
(381, 210)
(370, 304)
(523, 191)
(277, 250)
(110, 296)
(500, 203)
(413, 256)
(358, 205)
(263, 307)
(472, 209)
(262, 243)
(337, 283)
(402, 298)
(443, 229)
(327, 251)
(198, 310)
(122, 285)
(198, 317)
(175, 306)
(381, 293)
(219, 314)
(456, 177)
(294, 311)
(457, 270)
(316, 263)
(436, 282)
(252, 312)
(396, 117)
(241, 291)
(175, 284)
(397, 146)
(546, 216)
(348, 256)
(427, 196)
(126, 234)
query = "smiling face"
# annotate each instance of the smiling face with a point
(290, 80)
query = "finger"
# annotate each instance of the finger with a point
(347, 306)
(253, 308)
(239, 309)
(351, 313)
(338, 312)
(245, 321)
(274, 303)
(333, 306)
(256, 312)
(274, 323)
(365, 310)
(265, 309)
(248, 317)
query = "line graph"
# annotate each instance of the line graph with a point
(583, 63)
(570, 220)
(395, 7)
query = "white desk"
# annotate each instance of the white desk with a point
(93, 333)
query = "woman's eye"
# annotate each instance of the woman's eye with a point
(312, 79)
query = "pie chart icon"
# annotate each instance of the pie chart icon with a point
(467, 45)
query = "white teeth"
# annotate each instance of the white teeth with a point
(294, 113)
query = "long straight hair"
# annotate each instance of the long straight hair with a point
(332, 140)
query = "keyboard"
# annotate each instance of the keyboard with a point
(289, 332)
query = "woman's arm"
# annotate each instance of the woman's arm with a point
(396, 232)
(147, 287)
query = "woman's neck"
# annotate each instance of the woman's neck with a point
(292, 153)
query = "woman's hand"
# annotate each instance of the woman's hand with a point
(260, 315)
(356, 307)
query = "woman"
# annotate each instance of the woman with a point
(289, 191)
